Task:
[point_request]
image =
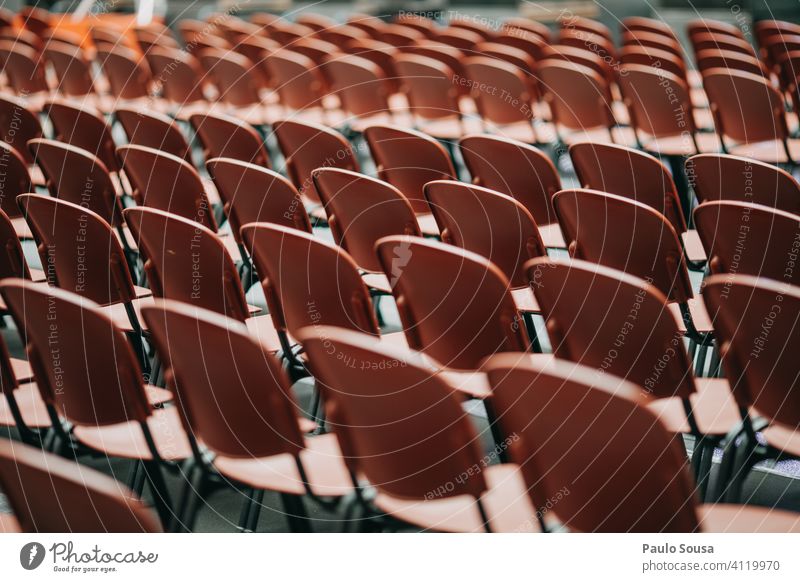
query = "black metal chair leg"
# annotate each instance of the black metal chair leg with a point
(296, 513)
(255, 510)
(244, 514)
(161, 497)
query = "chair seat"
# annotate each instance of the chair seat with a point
(525, 301)
(783, 438)
(157, 395)
(539, 133)
(262, 328)
(693, 247)
(715, 409)
(729, 518)
(21, 228)
(211, 192)
(700, 317)
(22, 370)
(681, 145)
(473, 384)
(770, 152)
(127, 440)
(37, 176)
(377, 281)
(9, 524)
(621, 136)
(317, 212)
(231, 246)
(450, 128)
(119, 314)
(506, 502)
(698, 97)
(37, 275)
(427, 224)
(31, 407)
(322, 460)
(552, 237)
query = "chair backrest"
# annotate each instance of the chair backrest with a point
(362, 210)
(408, 160)
(71, 69)
(514, 168)
(166, 182)
(16, 179)
(225, 136)
(710, 40)
(18, 125)
(582, 39)
(579, 98)
(651, 25)
(583, 57)
(239, 402)
(342, 34)
(588, 437)
(450, 57)
(402, 35)
(372, 25)
(533, 44)
(251, 193)
(644, 243)
(755, 322)
(468, 217)
(49, 494)
(77, 176)
(154, 130)
(307, 146)
(707, 25)
(658, 101)
(186, 261)
(126, 71)
(231, 74)
(460, 38)
(12, 261)
(749, 239)
(297, 79)
(633, 336)
(85, 128)
(746, 107)
(512, 56)
(428, 85)
(83, 364)
(455, 305)
(727, 177)
(526, 25)
(177, 74)
(483, 30)
(318, 22)
(381, 54)
(500, 89)
(631, 173)
(654, 42)
(712, 58)
(360, 85)
(308, 281)
(398, 422)
(581, 23)
(651, 57)
(81, 252)
(23, 68)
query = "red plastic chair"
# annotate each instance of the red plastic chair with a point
(252, 193)
(372, 25)
(317, 22)
(154, 130)
(644, 244)
(254, 430)
(360, 211)
(307, 146)
(450, 57)
(748, 239)
(749, 112)
(408, 160)
(72, 71)
(526, 25)
(118, 423)
(85, 128)
(483, 30)
(418, 22)
(653, 42)
(361, 89)
(580, 23)
(12, 262)
(715, 59)
(636, 480)
(455, 306)
(24, 70)
(177, 75)
(381, 54)
(713, 41)
(532, 44)
(711, 26)
(635, 54)
(297, 79)
(402, 35)
(53, 495)
(225, 136)
(725, 177)
(127, 74)
(460, 38)
(236, 85)
(520, 171)
(401, 426)
(15, 115)
(432, 96)
(651, 25)
(17, 181)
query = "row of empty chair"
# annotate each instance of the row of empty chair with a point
(148, 246)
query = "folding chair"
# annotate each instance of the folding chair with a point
(49, 494)
(83, 127)
(254, 434)
(298, 81)
(735, 178)
(359, 84)
(403, 431)
(520, 171)
(383, 55)
(127, 73)
(72, 71)
(86, 415)
(636, 478)
(177, 76)
(24, 69)
(237, 87)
